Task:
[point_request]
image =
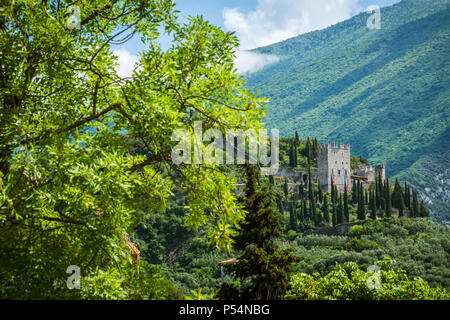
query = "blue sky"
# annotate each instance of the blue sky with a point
(258, 23)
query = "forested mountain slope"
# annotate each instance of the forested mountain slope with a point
(386, 92)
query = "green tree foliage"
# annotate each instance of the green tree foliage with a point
(325, 210)
(70, 190)
(262, 262)
(348, 282)
(388, 204)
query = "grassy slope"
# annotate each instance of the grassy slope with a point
(384, 91)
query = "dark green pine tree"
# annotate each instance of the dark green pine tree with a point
(320, 194)
(361, 208)
(297, 140)
(301, 214)
(401, 206)
(301, 190)
(315, 148)
(291, 155)
(310, 188)
(340, 211)
(305, 211)
(397, 194)
(366, 198)
(286, 188)
(325, 211)
(256, 238)
(316, 216)
(373, 206)
(354, 193)
(334, 215)
(332, 191)
(377, 194)
(388, 199)
(346, 209)
(423, 210)
(381, 201)
(295, 155)
(415, 205)
(292, 216)
(407, 197)
(309, 151)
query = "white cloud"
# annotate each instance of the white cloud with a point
(248, 62)
(126, 62)
(277, 20)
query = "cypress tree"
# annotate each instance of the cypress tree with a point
(256, 238)
(301, 191)
(311, 187)
(292, 154)
(292, 216)
(415, 205)
(340, 218)
(305, 211)
(423, 211)
(396, 194)
(408, 198)
(388, 199)
(320, 194)
(295, 156)
(346, 209)
(286, 188)
(326, 214)
(308, 151)
(361, 207)
(334, 215)
(332, 191)
(373, 206)
(401, 206)
(280, 206)
(354, 193)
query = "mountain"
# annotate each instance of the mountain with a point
(385, 91)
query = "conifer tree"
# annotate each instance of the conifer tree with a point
(305, 211)
(292, 216)
(332, 191)
(396, 194)
(415, 205)
(308, 151)
(423, 210)
(401, 206)
(361, 207)
(301, 190)
(407, 198)
(334, 215)
(256, 238)
(286, 188)
(373, 206)
(320, 194)
(354, 193)
(326, 214)
(346, 209)
(388, 199)
(340, 215)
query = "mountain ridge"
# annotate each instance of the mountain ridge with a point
(383, 91)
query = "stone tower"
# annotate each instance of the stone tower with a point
(333, 161)
(380, 169)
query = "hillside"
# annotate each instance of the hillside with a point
(386, 92)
